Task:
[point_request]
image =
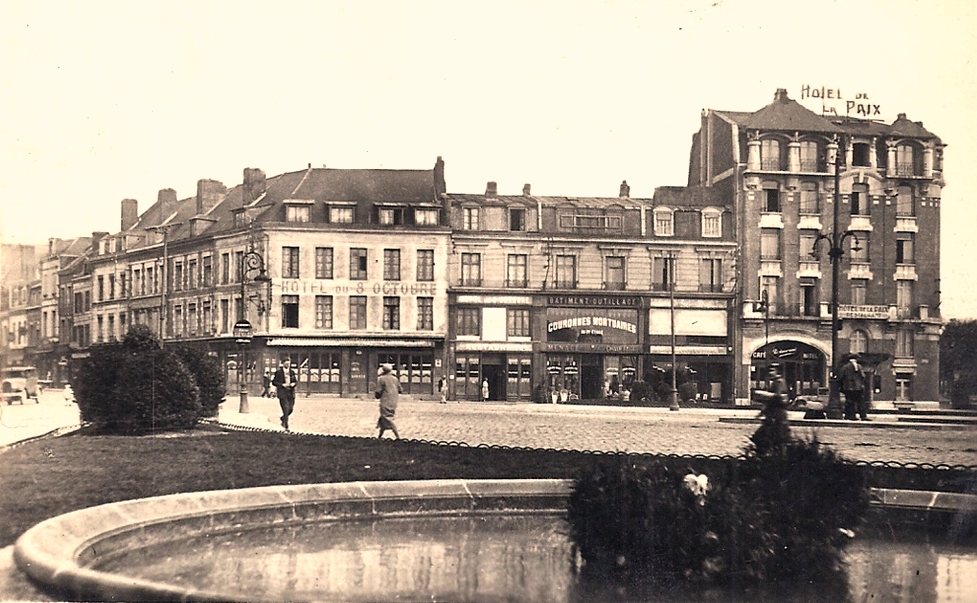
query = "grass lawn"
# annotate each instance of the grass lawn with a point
(50, 477)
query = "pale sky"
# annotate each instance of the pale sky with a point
(102, 101)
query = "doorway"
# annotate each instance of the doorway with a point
(591, 382)
(496, 377)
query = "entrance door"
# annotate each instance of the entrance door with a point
(591, 382)
(496, 377)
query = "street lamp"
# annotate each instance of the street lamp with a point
(251, 261)
(764, 306)
(670, 263)
(836, 239)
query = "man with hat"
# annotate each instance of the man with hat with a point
(851, 381)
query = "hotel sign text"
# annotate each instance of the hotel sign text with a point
(359, 288)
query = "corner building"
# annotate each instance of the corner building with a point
(776, 166)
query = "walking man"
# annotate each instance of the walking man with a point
(851, 380)
(388, 392)
(284, 382)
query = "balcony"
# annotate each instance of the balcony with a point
(710, 288)
(812, 166)
(471, 282)
(615, 286)
(906, 170)
(516, 283)
(565, 285)
(770, 165)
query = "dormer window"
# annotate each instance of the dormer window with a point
(664, 222)
(517, 218)
(712, 222)
(770, 160)
(426, 216)
(470, 218)
(341, 214)
(298, 210)
(389, 215)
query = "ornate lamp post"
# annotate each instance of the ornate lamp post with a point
(251, 261)
(673, 401)
(836, 240)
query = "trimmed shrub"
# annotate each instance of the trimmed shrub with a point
(207, 374)
(134, 387)
(641, 393)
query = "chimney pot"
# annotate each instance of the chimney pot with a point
(254, 185)
(167, 203)
(491, 190)
(130, 213)
(209, 194)
(625, 189)
(781, 95)
(901, 116)
(525, 189)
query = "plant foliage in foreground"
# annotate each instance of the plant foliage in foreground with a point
(784, 513)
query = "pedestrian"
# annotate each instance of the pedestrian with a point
(266, 384)
(851, 381)
(485, 389)
(388, 392)
(443, 389)
(284, 382)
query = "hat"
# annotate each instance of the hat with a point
(386, 367)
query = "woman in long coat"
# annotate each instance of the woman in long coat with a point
(388, 391)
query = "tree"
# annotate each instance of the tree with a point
(958, 360)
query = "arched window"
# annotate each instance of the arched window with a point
(858, 342)
(770, 154)
(810, 157)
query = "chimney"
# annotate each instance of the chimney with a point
(491, 190)
(900, 116)
(780, 95)
(625, 190)
(209, 194)
(525, 190)
(130, 213)
(254, 185)
(167, 203)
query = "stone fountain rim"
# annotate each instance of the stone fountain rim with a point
(58, 552)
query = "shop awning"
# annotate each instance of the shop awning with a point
(321, 342)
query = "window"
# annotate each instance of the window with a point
(426, 217)
(101, 287)
(391, 313)
(111, 286)
(664, 222)
(589, 222)
(905, 160)
(290, 262)
(859, 287)
(297, 213)
(515, 270)
(771, 285)
(391, 264)
(904, 248)
(390, 216)
(859, 200)
(191, 318)
(357, 312)
(341, 214)
(771, 196)
(566, 272)
(425, 264)
(425, 313)
(770, 244)
(904, 294)
(904, 343)
(177, 276)
(357, 264)
(225, 316)
(807, 238)
(904, 202)
(858, 342)
(614, 273)
(207, 279)
(470, 321)
(810, 156)
(858, 247)
(239, 266)
(225, 268)
(711, 275)
(770, 155)
(112, 327)
(470, 215)
(471, 269)
(904, 387)
(712, 223)
(809, 204)
(517, 218)
(323, 262)
(517, 322)
(809, 297)
(861, 154)
(290, 311)
(177, 327)
(663, 273)
(191, 274)
(323, 311)
(206, 325)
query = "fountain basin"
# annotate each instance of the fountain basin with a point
(59, 553)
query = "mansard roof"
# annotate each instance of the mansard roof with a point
(785, 114)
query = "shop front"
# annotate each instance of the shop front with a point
(592, 351)
(493, 371)
(802, 365)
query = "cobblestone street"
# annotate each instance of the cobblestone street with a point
(688, 431)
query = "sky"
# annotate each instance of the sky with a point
(103, 101)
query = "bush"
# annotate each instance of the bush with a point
(641, 393)
(135, 386)
(207, 374)
(783, 513)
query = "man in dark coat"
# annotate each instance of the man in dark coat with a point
(388, 392)
(284, 382)
(851, 381)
